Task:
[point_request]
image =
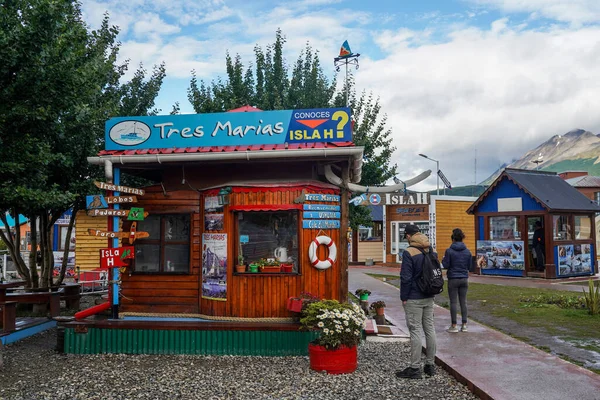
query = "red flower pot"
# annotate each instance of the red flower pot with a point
(380, 311)
(343, 360)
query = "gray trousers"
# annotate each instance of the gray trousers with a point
(457, 292)
(419, 316)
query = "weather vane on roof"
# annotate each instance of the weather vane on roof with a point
(346, 58)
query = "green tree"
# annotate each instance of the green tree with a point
(268, 85)
(59, 82)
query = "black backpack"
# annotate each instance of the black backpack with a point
(431, 280)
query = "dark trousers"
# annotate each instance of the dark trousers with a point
(539, 258)
(457, 292)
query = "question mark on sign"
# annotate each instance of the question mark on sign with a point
(343, 117)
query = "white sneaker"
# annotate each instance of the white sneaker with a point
(452, 329)
(463, 328)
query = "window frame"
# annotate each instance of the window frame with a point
(61, 246)
(236, 243)
(377, 226)
(162, 242)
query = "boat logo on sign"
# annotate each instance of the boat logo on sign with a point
(130, 133)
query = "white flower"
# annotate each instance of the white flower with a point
(346, 323)
(325, 331)
(347, 329)
(320, 324)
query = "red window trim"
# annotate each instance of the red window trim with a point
(267, 207)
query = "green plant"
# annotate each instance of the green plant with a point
(377, 304)
(592, 299)
(559, 300)
(341, 324)
(360, 292)
(240, 260)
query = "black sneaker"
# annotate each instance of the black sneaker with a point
(429, 369)
(409, 373)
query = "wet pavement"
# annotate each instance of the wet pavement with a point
(491, 364)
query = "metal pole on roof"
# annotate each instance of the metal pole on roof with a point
(346, 58)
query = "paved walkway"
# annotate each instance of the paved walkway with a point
(491, 364)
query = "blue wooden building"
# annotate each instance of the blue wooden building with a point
(533, 223)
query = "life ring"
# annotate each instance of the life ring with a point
(312, 252)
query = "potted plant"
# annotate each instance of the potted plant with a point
(270, 265)
(240, 267)
(254, 267)
(340, 326)
(298, 304)
(362, 294)
(378, 306)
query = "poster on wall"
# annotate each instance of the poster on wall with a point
(213, 222)
(211, 205)
(500, 254)
(574, 259)
(214, 266)
(58, 260)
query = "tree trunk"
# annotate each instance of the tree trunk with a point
(34, 282)
(63, 267)
(14, 248)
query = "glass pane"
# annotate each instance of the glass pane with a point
(177, 258)
(583, 227)
(504, 228)
(560, 227)
(177, 228)
(151, 224)
(63, 238)
(270, 236)
(147, 257)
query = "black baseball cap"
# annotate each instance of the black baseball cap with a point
(411, 229)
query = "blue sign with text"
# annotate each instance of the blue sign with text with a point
(320, 207)
(320, 214)
(229, 129)
(321, 224)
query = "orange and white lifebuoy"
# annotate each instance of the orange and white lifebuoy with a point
(312, 252)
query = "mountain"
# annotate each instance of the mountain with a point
(577, 150)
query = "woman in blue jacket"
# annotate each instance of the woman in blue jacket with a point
(457, 261)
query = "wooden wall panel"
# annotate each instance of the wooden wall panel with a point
(167, 293)
(248, 295)
(450, 215)
(87, 247)
(264, 295)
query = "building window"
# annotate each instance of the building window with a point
(371, 233)
(62, 237)
(504, 228)
(167, 250)
(583, 227)
(268, 237)
(561, 228)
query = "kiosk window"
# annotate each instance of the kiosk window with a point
(504, 228)
(371, 233)
(167, 250)
(583, 227)
(269, 238)
(561, 229)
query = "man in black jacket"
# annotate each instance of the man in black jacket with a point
(418, 307)
(538, 246)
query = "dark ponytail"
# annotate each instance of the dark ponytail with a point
(457, 235)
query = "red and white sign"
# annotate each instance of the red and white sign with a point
(112, 258)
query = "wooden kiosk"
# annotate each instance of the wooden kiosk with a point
(505, 220)
(241, 219)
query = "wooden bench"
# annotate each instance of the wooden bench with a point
(9, 316)
(51, 298)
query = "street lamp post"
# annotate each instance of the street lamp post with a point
(437, 166)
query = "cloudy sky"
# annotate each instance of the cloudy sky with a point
(463, 81)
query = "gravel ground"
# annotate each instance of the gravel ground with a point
(33, 370)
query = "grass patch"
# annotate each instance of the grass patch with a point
(387, 277)
(556, 311)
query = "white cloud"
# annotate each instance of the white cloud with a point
(573, 11)
(501, 91)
